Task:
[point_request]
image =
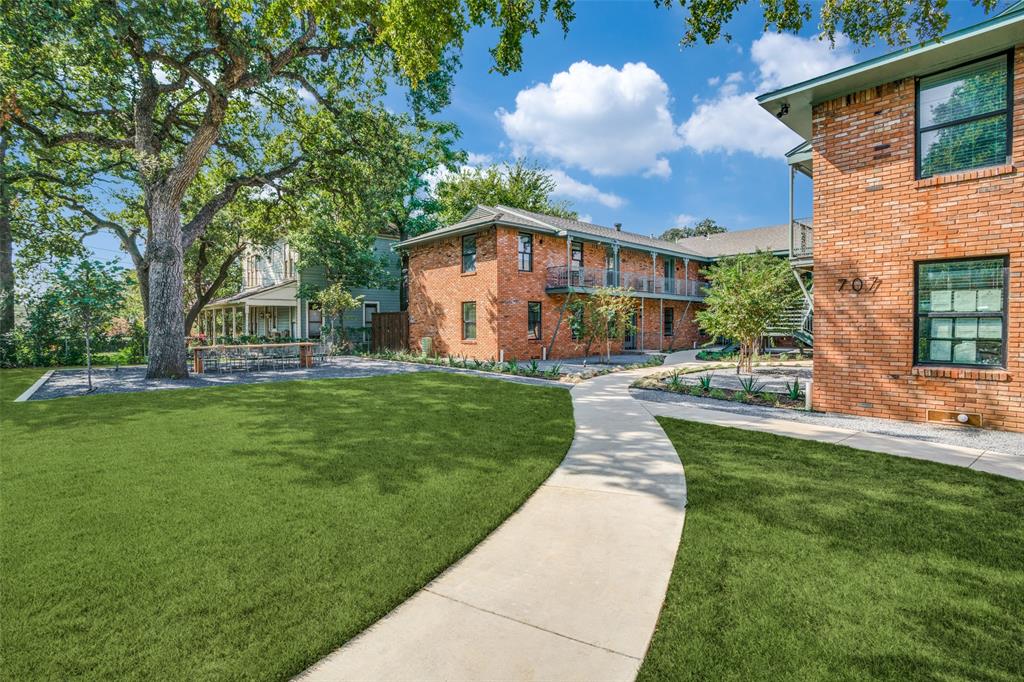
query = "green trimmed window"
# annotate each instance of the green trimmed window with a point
(961, 312)
(963, 117)
(533, 317)
(525, 252)
(469, 253)
(469, 320)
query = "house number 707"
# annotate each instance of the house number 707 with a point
(857, 284)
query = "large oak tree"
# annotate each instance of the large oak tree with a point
(135, 95)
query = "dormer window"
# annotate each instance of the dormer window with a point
(963, 117)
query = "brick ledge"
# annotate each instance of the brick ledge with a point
(962, 373)
(992, 171)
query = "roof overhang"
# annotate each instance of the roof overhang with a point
(991, 36)
(284, 294)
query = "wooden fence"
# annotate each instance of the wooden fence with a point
(389, 331)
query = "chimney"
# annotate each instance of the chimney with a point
(618, 227)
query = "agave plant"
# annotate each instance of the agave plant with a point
(793, 390)
(554, 370)
(704, 381)
(750, 385)
(675, 382)
(534, 368)
(512, 366)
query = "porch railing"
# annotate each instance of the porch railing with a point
(801, 240)
(562, 277)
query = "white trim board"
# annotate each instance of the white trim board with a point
(34, 387)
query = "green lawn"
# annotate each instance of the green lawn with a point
(244, 532)
(805, 561)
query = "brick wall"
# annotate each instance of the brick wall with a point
(872, 218)
(437, 287)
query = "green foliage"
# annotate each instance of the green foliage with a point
(602, 316)
(701, 228)
(746, 294)
(675, 382)
(749, 385)
(334, 300)
(793, 390)
(518, 184)
(704, 381)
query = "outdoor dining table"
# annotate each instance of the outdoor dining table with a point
(305, 351)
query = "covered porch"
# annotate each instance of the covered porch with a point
(270, 312)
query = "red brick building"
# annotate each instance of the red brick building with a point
(917, 254)
(494, 284)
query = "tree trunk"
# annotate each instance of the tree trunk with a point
(88, 355)
(166, 291)
(6, 248)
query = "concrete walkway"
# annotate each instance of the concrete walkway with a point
(569, 587)
(993, 462)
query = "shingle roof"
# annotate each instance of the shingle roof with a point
(242, 295)
(773, 238)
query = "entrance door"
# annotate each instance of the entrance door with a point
(629, 342)
(369, 310)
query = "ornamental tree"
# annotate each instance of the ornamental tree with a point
(334, 300)
(606, 314)
(88, 293)
(746, 294)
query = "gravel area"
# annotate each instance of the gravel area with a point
(771, 378)
(72, 382)
(982, 439)
(575, 365)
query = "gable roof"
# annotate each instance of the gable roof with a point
(483, 216)
(988, 37)
(774, 238)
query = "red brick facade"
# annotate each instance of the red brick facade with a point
(437, 289)
(874, 219)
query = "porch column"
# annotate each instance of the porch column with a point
(661, 311)
(245, 307)
(224, 321)
(568, 260)
(296, 331)
(654, 273)
(686, 276)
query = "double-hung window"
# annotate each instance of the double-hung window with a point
(961, 312)
(525, 252)
(469, 320)
(533, 317)
(964, 117)
(469, 253)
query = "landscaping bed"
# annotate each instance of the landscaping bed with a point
(244, 532)
(751, 389)
(802, 560)
(537, 369)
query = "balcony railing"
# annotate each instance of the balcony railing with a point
(801, 240)
(561, 277)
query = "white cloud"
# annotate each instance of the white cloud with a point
(684, 220)
(581, 191)
(605, 120)
(733, 122)
(586, 217)
(474, 159)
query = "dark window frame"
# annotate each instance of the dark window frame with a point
(668, 322)
(576, 248)
(534, 320)
(467, 323)
(1008, 111)
(472, 267)
(525, 239)
(1004, 315)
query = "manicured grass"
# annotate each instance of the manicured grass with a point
(806, 561)
(245, 532)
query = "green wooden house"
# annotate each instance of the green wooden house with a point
(268, 306)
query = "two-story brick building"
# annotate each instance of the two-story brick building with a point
(494, 284)
(918, 235)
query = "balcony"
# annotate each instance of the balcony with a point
(801, 242)
(561, 279)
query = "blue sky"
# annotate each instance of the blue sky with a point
(637, 129)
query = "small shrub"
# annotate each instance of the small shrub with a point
(555, 370)
(750, 385)
(512, 366)
(696, 390)
(534, 367)
(718, 394)
(675, 382)
(793, 390)
(704, 381)
(784, 356)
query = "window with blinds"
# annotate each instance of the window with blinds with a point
(963, 117)
(961, 312)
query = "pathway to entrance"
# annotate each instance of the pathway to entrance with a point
(569, 587)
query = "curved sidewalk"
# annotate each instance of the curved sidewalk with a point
(567, 588)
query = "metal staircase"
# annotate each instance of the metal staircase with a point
(797, 322)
